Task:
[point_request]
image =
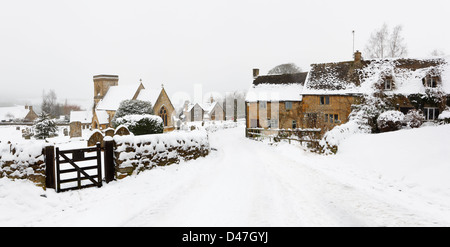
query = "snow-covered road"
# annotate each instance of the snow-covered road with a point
(243, 183)
(248, 183)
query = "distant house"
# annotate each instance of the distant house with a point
(325, 96)
(214, 111)
(18, 113)
(200, 112)
(194, 112)
(108, 95)
(84, 117)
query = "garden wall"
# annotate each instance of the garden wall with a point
(23, 161)
(137, 153)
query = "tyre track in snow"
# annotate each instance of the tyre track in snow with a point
(325, 201)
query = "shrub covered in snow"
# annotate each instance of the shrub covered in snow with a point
(45, 127)
(444, 117)
(142, 124)
(414, 118)
(132, 107)
(390, 121)
(357, 124)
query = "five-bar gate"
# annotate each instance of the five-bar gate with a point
(78, 155)
(69, 167)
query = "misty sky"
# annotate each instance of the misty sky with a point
(61, 45)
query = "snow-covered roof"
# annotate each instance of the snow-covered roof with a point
(348, 78)
(149, 95)
(102, 116)
(286, 87)
(13, 112)
(117, 94)
(81, 116)
(190, 106)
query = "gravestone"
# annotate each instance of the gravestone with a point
(75, 129)
(122, 131)
(95, 137)
(109, 132)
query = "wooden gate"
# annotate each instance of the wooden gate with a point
(78, 155)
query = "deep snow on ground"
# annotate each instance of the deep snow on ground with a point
(392, 179)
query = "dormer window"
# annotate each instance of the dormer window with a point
(388, 84)
(431, 81)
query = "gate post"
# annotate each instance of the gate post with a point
(99, 164)
(109, 160)
(49, 153)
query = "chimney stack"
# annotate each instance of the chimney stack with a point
(255, 73)
(357, 56)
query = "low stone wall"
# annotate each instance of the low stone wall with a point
(137, 153)
(23, 161)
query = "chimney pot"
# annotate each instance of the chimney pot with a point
(357, 56)
(255, 73)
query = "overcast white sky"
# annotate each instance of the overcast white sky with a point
(61, 45)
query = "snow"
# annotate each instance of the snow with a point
(102, 116)
(81, 116)
(117, 94)
(133, 119)
(391, 179)
(13, 112)
(406, 81)
(149, 95)
(445, 114)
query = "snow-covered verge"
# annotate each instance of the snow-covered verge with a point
(136, 153)
(389, 179)
(211, 126)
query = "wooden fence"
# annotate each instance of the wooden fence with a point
(309, 136)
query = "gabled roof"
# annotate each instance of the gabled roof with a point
(149, 95)
(102, 116)
(351, 78)
(117, 94)
(13, 112)
(287, 87)
(81, 116)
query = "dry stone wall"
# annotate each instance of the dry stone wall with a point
(134, 154)
(23, 161)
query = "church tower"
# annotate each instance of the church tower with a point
(102, 84)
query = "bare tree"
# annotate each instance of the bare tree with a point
(397, 47)
(287, 68)
(381, 44)
(437, 53)
(49, 104)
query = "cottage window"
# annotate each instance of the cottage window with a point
(430, 113)
(430, 81)
(288, 105)
(273, 123)
(294, 124)
(332, 118)
(324, 100)
(388, 84)
(263, 104)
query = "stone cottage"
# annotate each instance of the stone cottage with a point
(325, 96)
